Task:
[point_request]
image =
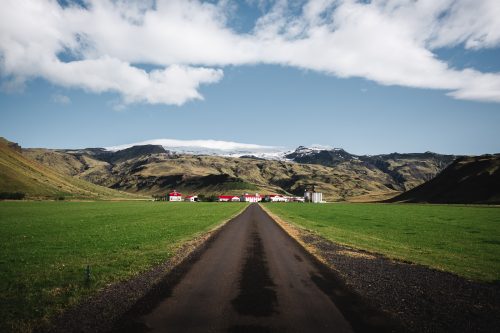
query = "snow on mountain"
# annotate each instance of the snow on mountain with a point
(211, 147)
(303, 151)
(238, 149)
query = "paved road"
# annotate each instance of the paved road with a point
(252, 278)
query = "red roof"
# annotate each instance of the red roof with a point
(175, 194)
(252, 196)
(227, 196)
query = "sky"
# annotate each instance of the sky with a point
(368, 76)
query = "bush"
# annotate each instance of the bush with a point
(207, 198)
(12, 195)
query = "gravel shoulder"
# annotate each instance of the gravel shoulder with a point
(421, 298)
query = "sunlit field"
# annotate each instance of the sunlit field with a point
(460, 239)
(45, 248)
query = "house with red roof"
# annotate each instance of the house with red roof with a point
(277, 198)
(229, 198)
(191, 198)
(174, 196)
(251, 197)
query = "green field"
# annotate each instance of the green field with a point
(46, 246)
(460, 239)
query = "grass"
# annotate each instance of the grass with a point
(46, 246)
(461, 239)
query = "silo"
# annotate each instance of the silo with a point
(317, 197)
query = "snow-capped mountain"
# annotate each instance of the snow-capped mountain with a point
(301, 154)
(320, 155)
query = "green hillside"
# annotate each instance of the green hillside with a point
(21, 174)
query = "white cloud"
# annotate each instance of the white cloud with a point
(173, 85)
(32, 34)
(472, 22)
(389, 42)
(61, 99)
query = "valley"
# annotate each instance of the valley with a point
(150, 169)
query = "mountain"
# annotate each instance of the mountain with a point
(326, 157)
(150, 169)
(118, 155)
(467, 180)
(19, 173)
(406, 170)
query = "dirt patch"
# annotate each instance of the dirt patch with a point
(423, 299)
(356, 254)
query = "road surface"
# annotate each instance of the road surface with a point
(252, 278)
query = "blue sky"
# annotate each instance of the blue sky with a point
(270, 99)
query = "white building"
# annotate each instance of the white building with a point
(175, 196)
(295, 199)
(191, 198)
(251, 198)
(277, 198)
(314, 197)
(317, 197)
(229, 198)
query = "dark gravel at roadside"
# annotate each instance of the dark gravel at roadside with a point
(423, 299)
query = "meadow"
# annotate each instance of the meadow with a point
(461, 239)
(45, 248)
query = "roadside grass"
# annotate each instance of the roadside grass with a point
(45, 248)
(461, 239)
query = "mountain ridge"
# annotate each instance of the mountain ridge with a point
(151, 169)
(468, 180)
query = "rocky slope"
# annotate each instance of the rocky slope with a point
(339, 175)
(467, 180)
(406, 170)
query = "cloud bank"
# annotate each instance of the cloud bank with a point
(104, 45)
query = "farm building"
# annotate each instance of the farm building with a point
(229, 198)
(317, 197)
(191, 198)
(313, 196)
(277, 198)
(295, 199)
(251, 198)
(174, 196)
